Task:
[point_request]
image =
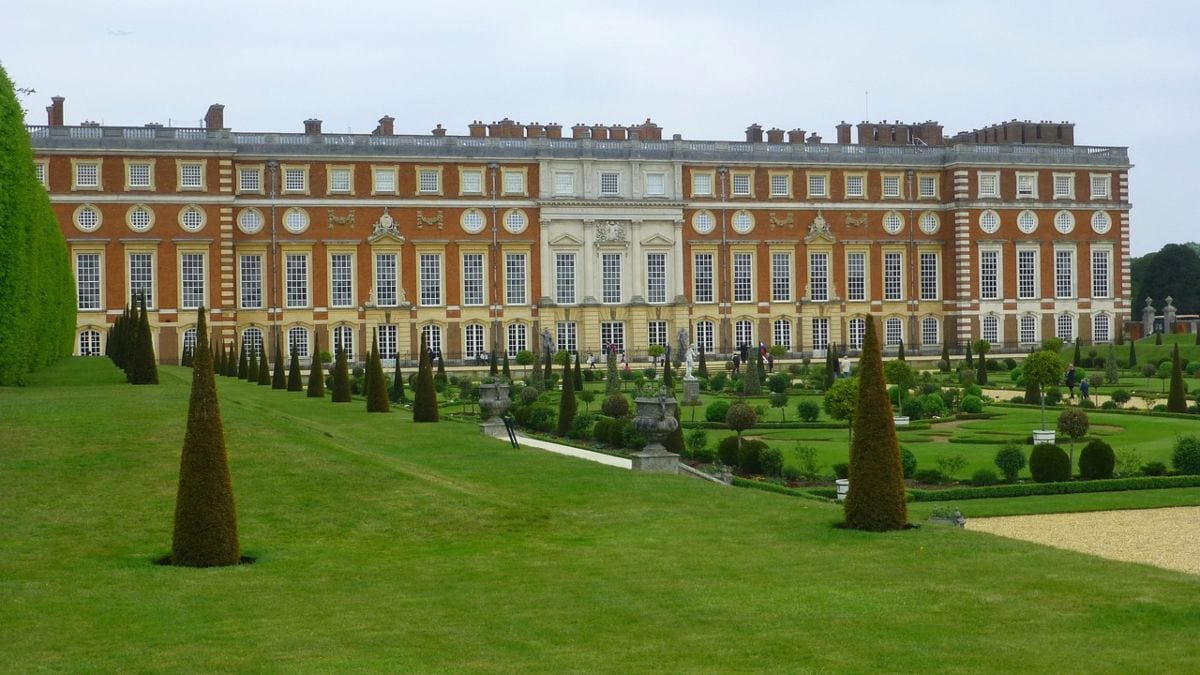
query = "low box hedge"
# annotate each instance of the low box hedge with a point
(1069, 487)
(779, 489)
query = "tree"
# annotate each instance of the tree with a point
(185, 359)
(969, 358)
(537, 376)
(294, 382)
(341, 377)
(1112, 375)
(425, 407)
(981, 373)
(577, 376)
(1177, 399)
(703, 366)
(1077, 359)
(264, 369)
(440, 377)
(1132, 353)
(841, 402)
(316, 374)
(279, 379)
(612, 383)
(903, 376)
(1173, 270)
(37, 285)
(739, 418)
(252, 364)
(243, 360)
(1042, 369)
(205, 531)
(668, 379)
(780, 400)
(493, 364)
(587, 396)
(751, 384)
(144, 369)
(567, 407)
(944, 366)
(231, 361)
(377, 393)
(505, 372)
(674, 440)
(831, 370)
(218, 359)
(876, 501)
(398, 395)
(900, 351)
(1073, 422)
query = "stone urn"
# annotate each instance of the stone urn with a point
(655, 420)
(493, 403)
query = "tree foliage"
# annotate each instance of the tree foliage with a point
(1177, 398)
(1043, 368)
(341, 377)
(377, 390)
(425, 408)
(264, 368)
(1173, 270)
(316, 374)
(567, 406)
(279, 377)
(143, 368)
(740, 417)
(1073, 422)
(294, 382)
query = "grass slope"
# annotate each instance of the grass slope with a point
(387, 545)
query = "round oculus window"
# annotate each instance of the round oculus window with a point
(892, 222)
(1101, 222)
(743, 222)
(472, 221)
(191, 219)
(250, 221)
(87, 218)
(929, 223)
(515, 221)
(989, 222)
(295, 220)
(140, 218)
(703, 222)
(1064, 222)
(1027, 221)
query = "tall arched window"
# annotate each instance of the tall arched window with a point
(858, 328)
(298, 342)
(1101, 328)
(473, 340)
(782, 333)
(704, 336)
(929, 331)
(518, 338)
(1028, 330)
(893, 331)
(743, 333)
(89, 343)
(1064, 327)
(433, 338)
(253, 339)
(989, 329)
(343, 337)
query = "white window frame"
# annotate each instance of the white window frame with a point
(893, 276)
(611, 270)
(1064, 327)
(989, 273)
(193, 279)
(568, 336)
(1104, 182)
(818, 276)
(564, 278)
(705, 331)
(516, 278)
(989, 329)
(1101, 335)
(517, 338)
(564, 183)
(743, 276)
(300, 346)
(89, 281)
(474, 279)
(656, 184)
(781, 333)
(471, 181)
(341, 279)
(743, 333)
(296, 280)
(702, 184)
(250, 280)
(387, 278)
(613, 333)
(384, 181)
(893, 331)
(430, 279)
(609, 183)
(1066, 181)
(703, 279)
(820, 333)
(656, 333)
(1027, 273)
(818, 185)
(856, 185)
(1027, 185)
(781, 184)
(386, 336)
(142, 279)
(856, 275)
(930, 331)
(781, 276)
(1027, 329)
(988, 184)
(928, 263)
(656, 277)
(1101, 273)
(1065, 278)
(474, 340)
(857, 329)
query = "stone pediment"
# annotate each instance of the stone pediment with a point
(657, 239)
(566, 240)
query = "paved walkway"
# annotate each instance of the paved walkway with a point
(571, 451)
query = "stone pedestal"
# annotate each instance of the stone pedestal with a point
(493, 427)
(655, 461)
(691, 392)
(900, 420)
(1043, 436)
(493, 403)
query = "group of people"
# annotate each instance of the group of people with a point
(743, 356)
(1084, 386)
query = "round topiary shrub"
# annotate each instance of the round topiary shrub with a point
(933, 405)
(1186, 458)
(616, 432)
(1010, 460)
(771, 462)
(808, 410)
(984, 477)
(1154, 469)
(716, 411)
(749, 457)
(631, 438)
(616, 406)
(931, 477)
(972, 404)
(1096, 460)
(1049, 463)
(727, 451)
(908, 462)
(600, 431)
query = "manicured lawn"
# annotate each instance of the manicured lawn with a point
(384, 545)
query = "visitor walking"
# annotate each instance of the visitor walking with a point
(1071, 382)
(737, 362)
(1083, 390)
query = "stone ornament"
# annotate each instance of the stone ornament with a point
(386, 226)
(610, 231)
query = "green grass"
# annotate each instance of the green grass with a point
(384, 545)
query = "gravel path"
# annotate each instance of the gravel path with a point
(1168, 538)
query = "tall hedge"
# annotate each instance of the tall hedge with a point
(295, 381)
(205, 532)
(377, 393)
(279, 377)
(143, 369)
(1177, 398)
(567, 406)
(341, 377)
(425, 398)
(316, 374)
(264, 368)
(876, 500)
(252, 367)
(37, 287)
(398, 395)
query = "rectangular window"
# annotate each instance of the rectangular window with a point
(612, 335)
(1026, 271)
(87, 175)
(656, 185)
(820, 333)
(386, 334)
(1026, 185)
(1100, 328)
(191, 176)
(929, 331)
(743, 333)
(514, 279)
(1064, 274)
(858, 329)
(295, 179)
(782, 334)
(702, 185)
(1028, 329)
(568, 336)
(339, 180)
(818, 277)
(473, 340)
(990, 329)
(893, 332)
(87, 280)
(817, 185)
(386, 283)
(989, 264)
(141, 278)
(856, 276)
(564, 183)
(138, 175)
(517, 338)
(384, 182)
(471, 182)
(929, 276)
(249, 179)
(891, 187)
(1101, 287)
(741, 185)
(296, 278)
(656, 333)
(704, 336)
(429, 181)
(781, 277)
(1100, 187)
(564, 278)
(702, 277)
(855, 184)
(191, 280)
(781, 185)
(1064, 186)
(989, 184)
(891, 276)
(251, 268)
(472, 279)
(610, 184)
(610, 277)
(656, 277)
(514, 182)
(743, 277)
(927, 187)
(430, 268)
(341, 280)
(39, 170)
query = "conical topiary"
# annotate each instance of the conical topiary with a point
(205, 532)
(218, 359)
(264, 368)
(243, 368)
(703, 364)
(185, 359)
(969, 358)
(252, 365)
(1177, 398)
(493, 364)
(377, 393)
(577, 377)
(279, 377)
(1157, 339)
(440, 377)
(398, 395)
(751, 382)
(316, 374)
(876, 500)
(505, 372)
(295, 380)
(341, 377)
(900, 351)
(144, 369)
(1132, 353)
(945, 364)
(548, 366)
(668, 378)
(425, 398)
(674, 440)
(231, 360)
(612, 384)
(1077, 360)
(567, 406)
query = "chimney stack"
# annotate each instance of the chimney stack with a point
(387, 126)
(775, 135)
(214, 119)
(54, 112)
(795, 136)
(439, 131)
(754, 133)
(312, 127)
(477, 129)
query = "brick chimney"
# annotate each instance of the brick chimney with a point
(813, 138)
(843, 133)
(795, 136)
(214, 119)
(54, 111)
(387, 126)
(775, 135)
(477, 129)
(599, 132)
(312, 127)
(616, 132)
(581, 131)
(554, 130)
(439, 131)
(754, 133)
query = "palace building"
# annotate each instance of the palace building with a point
(606, 235)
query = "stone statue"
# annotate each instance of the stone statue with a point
(548, 342)
(692, 353)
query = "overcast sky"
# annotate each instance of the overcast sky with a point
(1126, 73)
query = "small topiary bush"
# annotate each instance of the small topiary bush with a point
(1186, 457)
(771, 460)
(1154, 469)
(972, 404)
(1053, 396)
(631, 438)
(616, 432)
(985, 477)
(1049, 463)
(808, 411)
(779, 383)
(908, 461)
(716, 411)
(581, 427)
(750, 457)
(616, 406)
(1010, 460)
(931, 477)
(601, 429)
(542, 417)
(1096, 460)
(727, 451)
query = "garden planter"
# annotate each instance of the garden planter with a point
(843, 488)
(493, 403)
(655, 420)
